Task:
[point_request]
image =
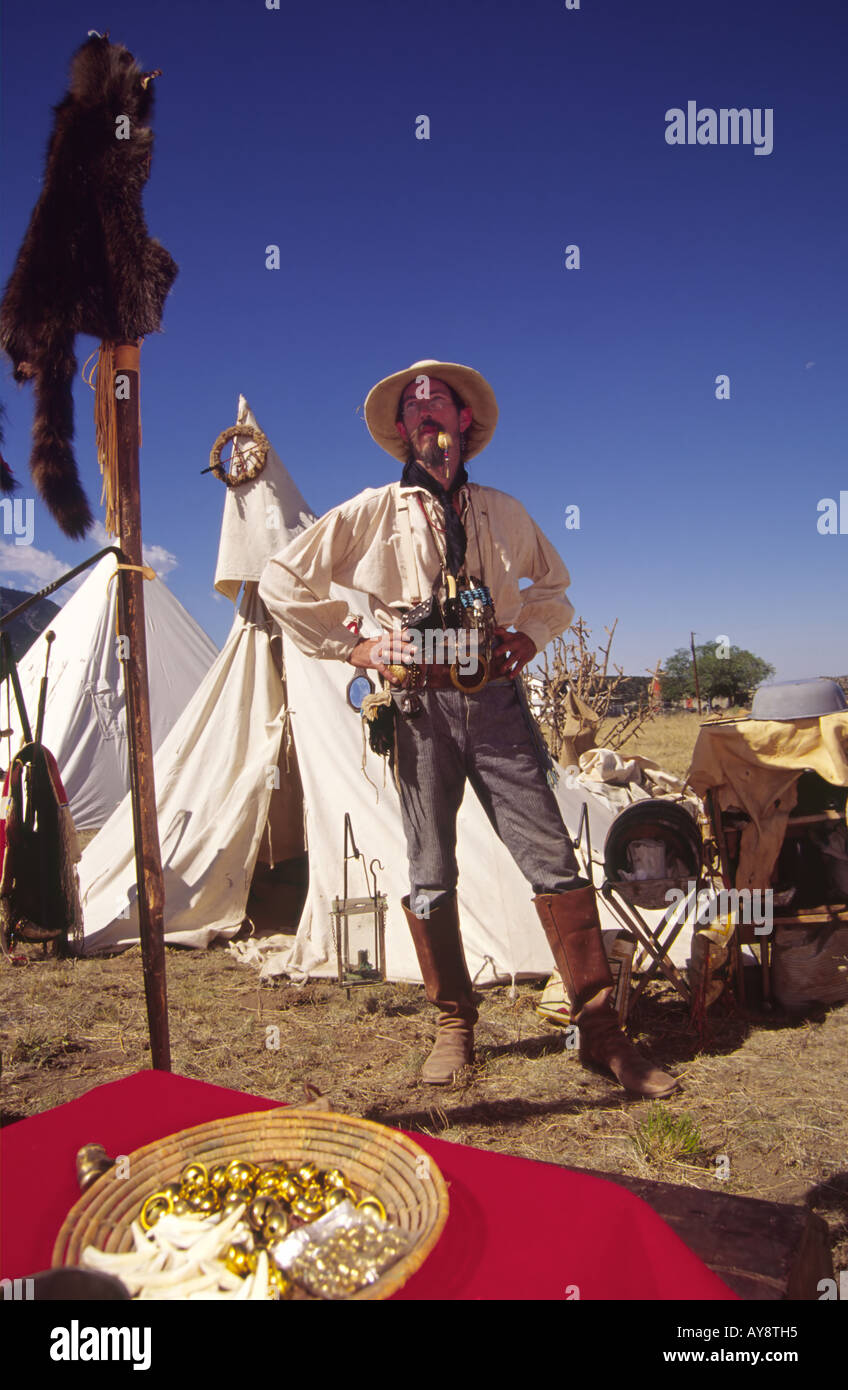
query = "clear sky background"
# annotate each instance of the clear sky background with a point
(547, 128)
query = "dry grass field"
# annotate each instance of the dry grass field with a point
(668, 740)
(765, 1091)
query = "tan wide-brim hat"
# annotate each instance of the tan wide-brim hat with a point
(381, 405)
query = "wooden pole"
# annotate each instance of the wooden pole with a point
(133, 653)
(695, 668)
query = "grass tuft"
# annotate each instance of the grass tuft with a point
(662, 1137)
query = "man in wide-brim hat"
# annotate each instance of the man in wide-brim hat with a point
(430, 538)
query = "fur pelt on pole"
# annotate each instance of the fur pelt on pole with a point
(87, 263)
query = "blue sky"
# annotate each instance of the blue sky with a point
(547, 129)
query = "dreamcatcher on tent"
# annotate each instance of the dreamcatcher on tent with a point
(238, 455)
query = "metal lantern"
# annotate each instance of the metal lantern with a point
(359, 924)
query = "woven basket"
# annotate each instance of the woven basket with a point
(376, 1160)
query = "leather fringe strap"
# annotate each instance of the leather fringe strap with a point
(144, 570)
(112, 358)
(372, 705)
(140, 569)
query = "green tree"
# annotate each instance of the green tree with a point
(722, 671)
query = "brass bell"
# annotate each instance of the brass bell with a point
(306, 1210)
(335, 1197)
(194, 1175)
(209, 1202)
(275, 1226)
(290, 1190)
(372, 1204)
(241, 1175)
(218, 1177)
(238, 1260)
(278, 1281)
(260, 1209)
(333, 1178)
(92, 1162)
(231, 1201)
(156, 1205)
(267, 1183)
(307, 1173)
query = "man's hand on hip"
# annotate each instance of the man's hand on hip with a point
(396, 649)
(512, 653)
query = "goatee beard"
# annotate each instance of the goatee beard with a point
(430, 455)
(427, 453)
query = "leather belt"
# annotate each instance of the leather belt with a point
(437, 677)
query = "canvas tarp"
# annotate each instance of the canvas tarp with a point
(754, 765)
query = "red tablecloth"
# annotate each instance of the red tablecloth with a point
(516, 1229)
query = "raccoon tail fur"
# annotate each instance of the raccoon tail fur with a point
(52, 462)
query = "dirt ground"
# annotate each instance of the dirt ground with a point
(762, 1097)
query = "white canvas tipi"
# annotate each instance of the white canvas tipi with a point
(267, 758)
(85, 725)
(227, 786)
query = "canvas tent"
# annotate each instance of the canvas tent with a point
(85, 717)
(266, 761)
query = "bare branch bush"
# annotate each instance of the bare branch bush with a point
(572, 663)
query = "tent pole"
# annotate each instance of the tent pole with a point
(133, 654)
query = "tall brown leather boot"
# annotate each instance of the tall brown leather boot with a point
(447, 982)
(573, 930)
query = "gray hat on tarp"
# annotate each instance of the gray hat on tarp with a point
(381, 405)
(788, 700)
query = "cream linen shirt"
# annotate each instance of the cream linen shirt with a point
(364, 544)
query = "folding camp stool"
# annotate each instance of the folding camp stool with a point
(654, 942)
